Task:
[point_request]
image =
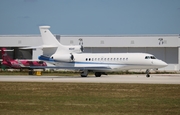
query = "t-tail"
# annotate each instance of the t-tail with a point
(51, 46)
(50, 43)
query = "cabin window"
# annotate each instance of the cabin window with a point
(89, 59)
(92, 59)
(126, 58)
(86, 59)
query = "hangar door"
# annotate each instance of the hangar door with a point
(16, 53)
(137, 50)
(171, 55)
(168, 54)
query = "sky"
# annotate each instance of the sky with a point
(90, 17)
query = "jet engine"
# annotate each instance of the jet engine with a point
(76, 49)
(63, 58)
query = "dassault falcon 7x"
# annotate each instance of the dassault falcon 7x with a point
(72, 57)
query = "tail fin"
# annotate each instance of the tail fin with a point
(50, 43)
(5, 57)
(47, 37)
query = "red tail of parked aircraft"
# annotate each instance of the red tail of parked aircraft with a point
(19, 64)
(5, 57)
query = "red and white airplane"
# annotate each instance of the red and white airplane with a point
(19, 64)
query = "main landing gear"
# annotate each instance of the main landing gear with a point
(30, 71)
(84, 73)
(147, 73)
(97, 74)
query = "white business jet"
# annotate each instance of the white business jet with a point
(72, 57)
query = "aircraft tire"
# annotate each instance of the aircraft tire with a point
(147, 75)
(30, 72)
(97, 74)
(83, 75)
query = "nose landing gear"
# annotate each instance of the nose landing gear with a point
(147, 73)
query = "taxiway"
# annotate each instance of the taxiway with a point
(154, 79)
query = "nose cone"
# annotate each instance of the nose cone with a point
(163, 64)
(159, 63)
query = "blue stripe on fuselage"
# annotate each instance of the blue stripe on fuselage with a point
(44, 58)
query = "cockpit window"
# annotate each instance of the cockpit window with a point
(147, 57)
(150, 57)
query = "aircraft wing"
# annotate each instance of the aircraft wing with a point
(21, 65)
(71, 68)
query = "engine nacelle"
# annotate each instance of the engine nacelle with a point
(63, 58)
(75, 49)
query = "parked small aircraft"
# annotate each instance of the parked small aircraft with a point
(19, 64)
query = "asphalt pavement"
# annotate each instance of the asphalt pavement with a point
(141, 78)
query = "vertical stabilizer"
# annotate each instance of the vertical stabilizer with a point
(47, 37)
(52, 46)
(50, 43)
(5, 57)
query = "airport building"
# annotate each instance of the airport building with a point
(164, 47)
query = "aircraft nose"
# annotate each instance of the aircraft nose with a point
(163, 64)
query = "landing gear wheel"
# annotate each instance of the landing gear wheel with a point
(31, 72)
(97, 74)
(147, 73)
(84, 73)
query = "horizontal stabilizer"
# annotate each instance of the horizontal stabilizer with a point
(40, 47)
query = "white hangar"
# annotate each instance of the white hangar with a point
(164, 47)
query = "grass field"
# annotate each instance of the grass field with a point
(89, 99)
